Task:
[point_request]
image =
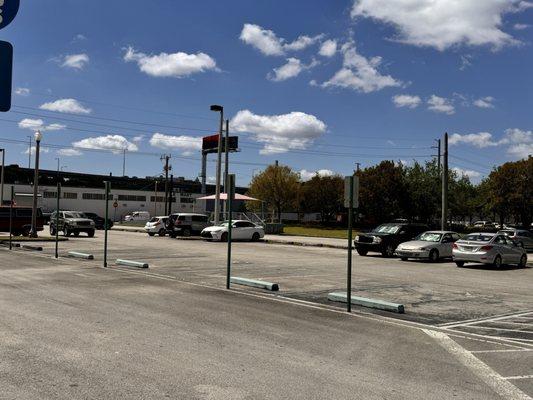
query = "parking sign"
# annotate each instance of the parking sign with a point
(355, 191)
(6, 66)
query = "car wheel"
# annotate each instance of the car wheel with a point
(66, 231)
(434, 255)
(497, 262)
(52, 231)
(460, 264)
(389, 251)
(255, 237)
(161, 232)
(403, 258)
(362, 252)
(186, 232)
(224, 237)
(76, 234)
(151, 234)
(90, 234)
(172, 235)
(26, 232)
(523, 261)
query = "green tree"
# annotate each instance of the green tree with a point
(323, 194)
(383, 192)
(278, 187)
(424, 191)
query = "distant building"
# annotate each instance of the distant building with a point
(85, 192)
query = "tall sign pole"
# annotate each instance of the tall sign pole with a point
(230, 191)
(11, 217)
(57, 217)
(351, 201)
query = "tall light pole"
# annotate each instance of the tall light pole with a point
(2, 177)
(38, 137)
(219, 109)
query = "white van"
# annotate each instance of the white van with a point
(138, 216)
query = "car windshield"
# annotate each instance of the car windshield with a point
(387, 228)
(153, 219)
(476, 237)
(74, 214)
(507, 232)
(225, 224)
(429, 237)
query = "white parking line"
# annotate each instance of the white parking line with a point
(489, 319)
(519, 377)
(499, 351)
(494, 380)
(494, 329)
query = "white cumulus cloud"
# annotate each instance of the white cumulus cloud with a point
(187, 144)
(306, 175)
(360, 73)
(480, 140)
(441, 105)
(75, 61)
(280, 133)
(174, 65)
(328, 48)
(268, 43)
(69, 106)
(405, 100)
(484, 102)
(115, 143)
(520, 142)
(291, 69)
(69, 152)
(33, 150)
(22, 91)
(467, 172)
(38, 124)
(444, 23)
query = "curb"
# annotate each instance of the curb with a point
(274, 287)
(366, 302)
(137, 230)
(306, 244)
(76, 254)
(129, 263)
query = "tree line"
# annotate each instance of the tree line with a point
(391, 190)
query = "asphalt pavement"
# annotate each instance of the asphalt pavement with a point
(72, 329)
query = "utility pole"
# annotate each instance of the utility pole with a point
(171, 194)
(29, 151)
(155, 199)
(124, 163)
(166, 169)
(226, 165)
(444, 218)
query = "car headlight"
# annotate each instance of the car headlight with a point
(376, 239)
(356, 238)
(422, 248)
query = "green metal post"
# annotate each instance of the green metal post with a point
(350, 231)
(11, 218)
(57, 218)
(107, 188)
(230, 192)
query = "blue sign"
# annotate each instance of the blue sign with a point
(8, 11)
(6, 68)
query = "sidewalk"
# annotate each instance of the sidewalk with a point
(307, 241)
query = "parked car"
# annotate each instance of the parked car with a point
(186, 224)
(240, 230)
(138, 216)
(156, 225)
(98, 221)
(431, 245)
(484, 224)
(385, 238)
(71, 222)
(523, 237)
(488, 248)
(20, 221)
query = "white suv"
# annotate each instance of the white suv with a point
(186, 224)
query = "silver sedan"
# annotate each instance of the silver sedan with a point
(431, 245)
(488, 248)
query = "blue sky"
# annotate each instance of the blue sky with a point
(317, 85)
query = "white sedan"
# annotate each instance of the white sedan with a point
(240, 230)
(431, 245)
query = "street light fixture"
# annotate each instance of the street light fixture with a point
(38, 136)
(219, 109)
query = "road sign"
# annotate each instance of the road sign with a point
(355, 192)
(6, 68)
(115, 204)
(8, 11)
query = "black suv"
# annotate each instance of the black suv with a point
(385, 238)
(98, 221)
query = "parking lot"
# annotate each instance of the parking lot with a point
(487, 311)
